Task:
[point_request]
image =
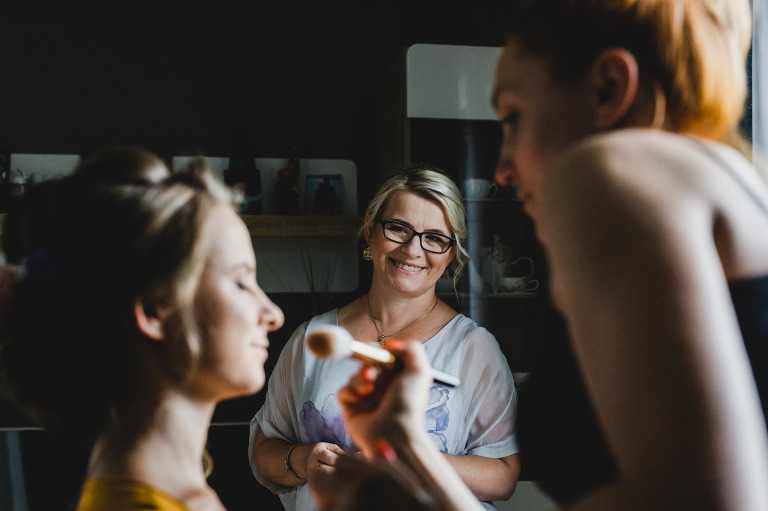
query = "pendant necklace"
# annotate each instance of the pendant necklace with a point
(382, 338)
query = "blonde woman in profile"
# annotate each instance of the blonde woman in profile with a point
(138, 314)
(414, 227)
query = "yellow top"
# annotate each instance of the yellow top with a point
(125, 495)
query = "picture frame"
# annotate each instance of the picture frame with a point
(323, 194)
(270, 167)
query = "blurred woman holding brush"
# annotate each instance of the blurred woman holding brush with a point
(656, 233)
(414, 228)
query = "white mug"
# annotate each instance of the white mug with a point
(478, 188)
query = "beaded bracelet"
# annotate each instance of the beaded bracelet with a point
(288, 467)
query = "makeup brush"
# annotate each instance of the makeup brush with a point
(330, 341)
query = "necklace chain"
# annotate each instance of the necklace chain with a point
(381, 339)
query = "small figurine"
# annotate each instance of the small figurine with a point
(287, 186)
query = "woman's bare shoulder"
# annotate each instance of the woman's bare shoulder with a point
(636, 155)
(632, 168)
(625, 190)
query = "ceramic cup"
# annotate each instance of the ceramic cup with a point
(517, 284)
(477, 188)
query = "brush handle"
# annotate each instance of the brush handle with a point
(446, 379)
(438, 376)
(368, 353)
(365, 351)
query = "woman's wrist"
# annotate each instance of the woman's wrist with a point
(288, 463)
(404, 439)
(416, 450)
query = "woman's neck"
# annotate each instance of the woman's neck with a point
(168, 455)
(393, 311)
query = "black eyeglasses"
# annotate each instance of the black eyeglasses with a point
(403, 233)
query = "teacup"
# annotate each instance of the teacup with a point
(478, 188)
(517, 284)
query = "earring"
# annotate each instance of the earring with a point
(367, 253)
(446, 274)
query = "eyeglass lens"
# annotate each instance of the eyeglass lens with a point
(430, 241)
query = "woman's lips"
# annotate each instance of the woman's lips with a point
(261, 346)
(407, 267)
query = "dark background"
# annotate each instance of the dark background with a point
(181, 80)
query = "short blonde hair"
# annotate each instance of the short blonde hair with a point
(434, 185)
(691, 53)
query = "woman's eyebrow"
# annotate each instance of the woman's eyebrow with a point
(435, 230)
(242, 266)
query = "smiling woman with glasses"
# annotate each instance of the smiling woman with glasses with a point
(414, 230)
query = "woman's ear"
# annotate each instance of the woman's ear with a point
(615, 77)
(149, 319)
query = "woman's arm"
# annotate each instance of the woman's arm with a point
(488, 478)
(268, 451)
(637, 277)
(379, 405)
(489, 404)
(270, 454)
(270, 457)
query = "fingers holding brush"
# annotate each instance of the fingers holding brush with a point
(362, 384)
(378, 402)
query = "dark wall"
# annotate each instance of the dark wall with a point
(182, 79)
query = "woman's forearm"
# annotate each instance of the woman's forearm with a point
(435, 473)
(488, 478)
(270, 455)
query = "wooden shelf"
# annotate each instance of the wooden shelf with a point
(304, 225)
(285, 225)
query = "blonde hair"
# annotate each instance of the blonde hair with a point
(107, 244)
(691, 53)
(434, 185)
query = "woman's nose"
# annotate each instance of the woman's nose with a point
(506, 172)
(414, 245)
(271, 315)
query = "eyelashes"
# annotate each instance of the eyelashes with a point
(511, 118)
(246, 285)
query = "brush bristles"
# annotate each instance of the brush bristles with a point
(329, 342)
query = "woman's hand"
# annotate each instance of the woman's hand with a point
(357, 484)
(313, 458)
(269, 456)
(378, 403)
